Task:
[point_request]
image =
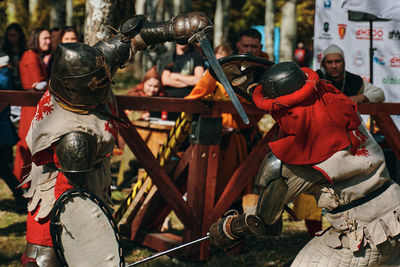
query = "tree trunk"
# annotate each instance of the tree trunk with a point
(98, 16)
(221, 22)
(288, 30)
(57, 14)
(69, 10)
(269, 28)
(33, 4)
(33, 14)
(167, 9)
(187, 6)
(138, 72)
(18, 12)
(11, 11)
(140, 6)
(182, 6)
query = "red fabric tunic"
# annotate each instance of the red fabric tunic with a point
(50, 123)
(32, 70)
(316, 120)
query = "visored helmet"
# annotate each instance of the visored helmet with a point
(243, 71)
(282, 79)
(80, 75)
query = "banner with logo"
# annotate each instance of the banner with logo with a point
(332, 26)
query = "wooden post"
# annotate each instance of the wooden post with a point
(203, 166)
(209, 202)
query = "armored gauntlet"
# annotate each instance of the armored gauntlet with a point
(230, 229)
(179, 29)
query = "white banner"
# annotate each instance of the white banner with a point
(333, 27)
(384, 9)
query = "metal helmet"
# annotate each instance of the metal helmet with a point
(80, 76)
(282, 79)
(243, 71)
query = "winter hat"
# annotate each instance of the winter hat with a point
(4, 58)
(332, 49)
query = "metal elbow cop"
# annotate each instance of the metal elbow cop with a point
(76, 153)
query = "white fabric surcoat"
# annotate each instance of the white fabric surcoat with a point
(357, 234)
(52, 122)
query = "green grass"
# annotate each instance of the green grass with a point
(266, 251)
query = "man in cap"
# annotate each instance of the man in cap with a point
(75, 126)
(352, 85)
(328, 152)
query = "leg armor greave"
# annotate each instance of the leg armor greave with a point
(272, 189)
(44, 256)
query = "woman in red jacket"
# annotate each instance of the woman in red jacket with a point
(33, 76)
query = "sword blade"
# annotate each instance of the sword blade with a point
(208, 51)
(170, 250)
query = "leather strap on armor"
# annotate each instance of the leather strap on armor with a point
(229, 230)
(362, 200)
(221, 234)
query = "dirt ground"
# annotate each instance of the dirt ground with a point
(266, 251)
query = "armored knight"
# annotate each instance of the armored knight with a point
(327, 152)
(75, 126)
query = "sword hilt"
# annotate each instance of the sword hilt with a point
(201, 35)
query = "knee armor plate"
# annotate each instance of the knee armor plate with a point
(272, 190)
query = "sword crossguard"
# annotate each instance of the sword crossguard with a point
(201, 35)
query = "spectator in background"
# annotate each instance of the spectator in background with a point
(352, 85)
(8, 136)
(68, 34)
(300, 55)
(33, 76)
(149, 86)
(54, 37)
(250, 42)
(48, 56)
(14, 45)
(222, 50)
(182, 73)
